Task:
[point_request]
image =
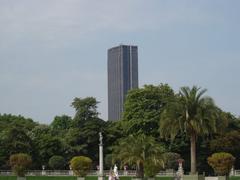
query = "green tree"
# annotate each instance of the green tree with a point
(85, 140)
(61, 122)
(143, 107)
(221, 163)
(14, 140)
(86, 109)
(190, 113)
(81, 165)
(139, 150)
(170, 160)
(19, 163)
(112, 131)
(49, 146)
(8, 121)
(57, 162)
(228, 142)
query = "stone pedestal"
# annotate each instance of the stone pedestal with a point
(101, 177)
(70, 172)
(43, 173)
(232, 172)
(80, 178)
(222, 178)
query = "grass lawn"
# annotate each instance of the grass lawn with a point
(164, 178)
(235, 178)
(51, 178)
(8, 178)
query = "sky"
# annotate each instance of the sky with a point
(52, 51)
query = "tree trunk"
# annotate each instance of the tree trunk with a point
(193, 154)
(140, 171)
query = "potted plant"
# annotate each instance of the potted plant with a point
(19, 164)
(81, 166)
(221, 163)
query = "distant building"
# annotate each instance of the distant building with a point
(122, 76)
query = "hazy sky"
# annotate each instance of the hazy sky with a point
(54, 50)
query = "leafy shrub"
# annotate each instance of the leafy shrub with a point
(56, 162)
(19, 163)
(108, 161)
(221, 163)
(151, 168)
(170, 160)
(81, 165)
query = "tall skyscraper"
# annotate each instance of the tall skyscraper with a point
(122, 76)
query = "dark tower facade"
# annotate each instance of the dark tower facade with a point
(122, 76)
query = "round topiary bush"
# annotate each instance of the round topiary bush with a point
(81, 165)
(56, 162)
(221, 163)
(19, 163)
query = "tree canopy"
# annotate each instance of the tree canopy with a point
(192, 114)
(151, 111)
(139, 150)
(143, 107)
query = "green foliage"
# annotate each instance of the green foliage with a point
(16, 140)
(143, 107)
(221, 163)
(170, 160)
(108, 161)
(8, 121)
(86, 109)
(14, 137)
(228, 142)
(56, 162)
(81, 165)
(69, 137)
(48, 146)
(61, 122)
(189, 113)
(138, 150)
(85, 140)
(19, 163)
(151, 169)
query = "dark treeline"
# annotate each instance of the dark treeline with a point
(71, 136)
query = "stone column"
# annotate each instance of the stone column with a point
(101, 174)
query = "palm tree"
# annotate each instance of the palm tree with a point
(189, 113)
(137, 150)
